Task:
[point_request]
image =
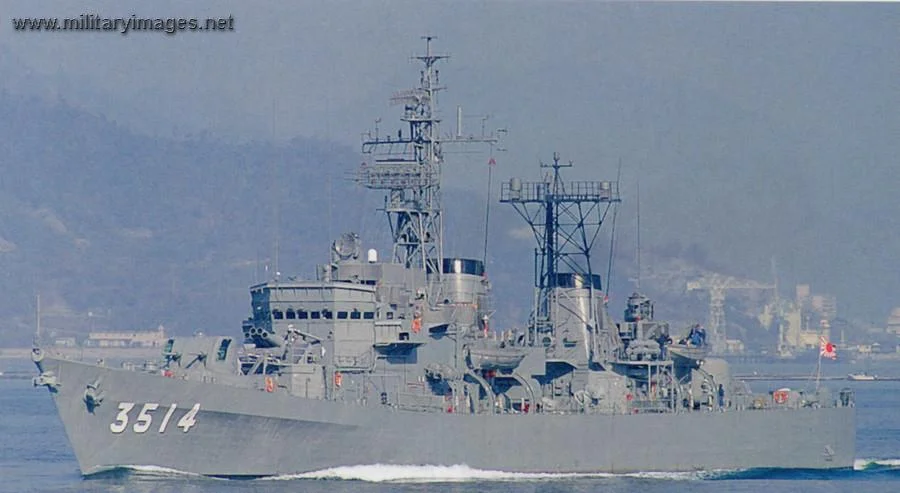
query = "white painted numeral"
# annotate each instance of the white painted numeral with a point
(144, 418)
(165, 421)
(121, 422)
(189, 418)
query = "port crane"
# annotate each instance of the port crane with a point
(717, 285)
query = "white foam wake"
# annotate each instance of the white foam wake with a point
(864, 464)
(390, 473)
(381, 473)
(150, 472)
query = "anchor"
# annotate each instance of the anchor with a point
(93, 396)
(46, 378)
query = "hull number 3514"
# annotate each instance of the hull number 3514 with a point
(144, 419)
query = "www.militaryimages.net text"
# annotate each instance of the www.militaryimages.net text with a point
(124, 25)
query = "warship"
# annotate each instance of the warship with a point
(395, 361)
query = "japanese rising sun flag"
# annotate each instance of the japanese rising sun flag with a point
(826, 349)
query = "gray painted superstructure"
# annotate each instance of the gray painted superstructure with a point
(396, 362)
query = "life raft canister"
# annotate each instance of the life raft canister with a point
(270, 384)
(780, 396)
(338, 379)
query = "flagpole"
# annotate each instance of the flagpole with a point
(825, 349)
(818, 371)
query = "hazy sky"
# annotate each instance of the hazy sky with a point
(781, 119)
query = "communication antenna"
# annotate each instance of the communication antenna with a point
(640, 270)
(37, 318)
(273, 179)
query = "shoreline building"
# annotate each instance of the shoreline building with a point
(137, 338)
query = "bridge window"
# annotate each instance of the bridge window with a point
(223, 349)
(302, 314)
(290, 315)
(342, 315)
(369, 315)
(327, 314)
(390, 315)
(315, 315)
(277, 314)
(355, 315)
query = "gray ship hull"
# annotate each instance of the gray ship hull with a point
(248, 432)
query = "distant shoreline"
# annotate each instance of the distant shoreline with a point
(86, 353)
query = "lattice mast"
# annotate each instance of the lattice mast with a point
(408, 167)
(565, 218)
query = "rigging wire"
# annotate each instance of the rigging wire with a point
(487, 209)
(612, 234)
